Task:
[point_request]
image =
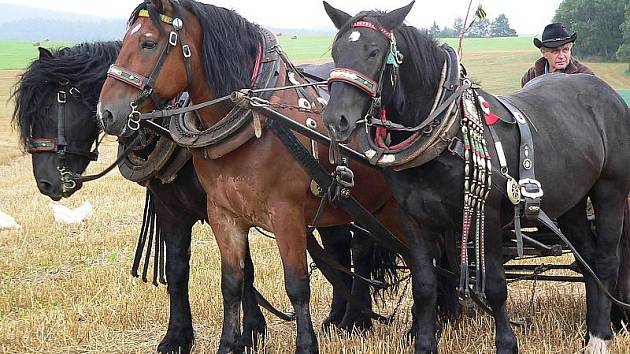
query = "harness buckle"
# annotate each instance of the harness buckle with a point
(74, 91)
(172, 38)
(62, 97)
(178, 24)
(530, 188)
(344, 176)
(186, 51)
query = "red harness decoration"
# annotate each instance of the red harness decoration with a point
(256, 70)
(370, 25)
(381, 134)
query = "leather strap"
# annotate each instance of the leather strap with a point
(531, 189)
(350, 205)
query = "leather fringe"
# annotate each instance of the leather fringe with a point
(151, 238)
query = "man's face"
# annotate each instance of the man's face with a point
(559, 57)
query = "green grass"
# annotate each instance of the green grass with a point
(317, 48)
(496, 63)
(19, 54)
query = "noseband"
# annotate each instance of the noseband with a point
(145, 84)
(60, 145)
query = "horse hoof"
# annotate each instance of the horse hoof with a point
(175, 345)
(596, 346)
(230, 349)
(332, 321)
(359, 326)
(253, 338)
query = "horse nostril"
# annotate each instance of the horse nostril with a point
(44, 185)
(343, 123)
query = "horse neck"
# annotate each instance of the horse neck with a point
(418, 84)
(201, 92)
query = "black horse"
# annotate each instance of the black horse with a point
(581, 140)
(63, 86)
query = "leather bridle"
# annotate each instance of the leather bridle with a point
(363, 82)
(146, 84)
(60, 145)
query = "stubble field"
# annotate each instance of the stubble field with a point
(67, 289)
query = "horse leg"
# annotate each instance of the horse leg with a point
(232, 241)
(254, 325)
(619, 316)
(362, 257)
(176, 233)
(424, 285)
(574, 224)
(336, 241)
(496, 286)
(609, 205)
(291, 240)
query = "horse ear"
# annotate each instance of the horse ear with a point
(394, 19)
(44, 53)
(338, 17)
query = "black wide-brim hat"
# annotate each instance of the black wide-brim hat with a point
(555, 35)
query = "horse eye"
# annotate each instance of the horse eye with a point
(374, 53)
(149, 45)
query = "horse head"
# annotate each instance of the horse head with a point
(54, 111)
(363, 50)
(155, 64)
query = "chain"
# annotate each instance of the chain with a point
(259, 102)
(539, 270)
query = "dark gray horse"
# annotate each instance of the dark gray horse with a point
(581, 141)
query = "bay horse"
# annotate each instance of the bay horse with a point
(79, 72)
(580, 139)
(214, 52)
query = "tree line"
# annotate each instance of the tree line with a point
(480, 28)
(603, 27)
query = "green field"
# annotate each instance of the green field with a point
(496, 63)
(18, 54)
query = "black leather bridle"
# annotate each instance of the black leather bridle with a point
(60, 145)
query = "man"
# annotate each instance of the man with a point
(556, 48)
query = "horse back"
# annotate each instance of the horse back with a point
(580, 128)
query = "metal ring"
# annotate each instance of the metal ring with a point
(311, 123)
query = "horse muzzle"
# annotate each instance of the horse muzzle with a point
(115, 119)
(340, 128)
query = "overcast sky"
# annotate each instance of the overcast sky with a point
(526, 17)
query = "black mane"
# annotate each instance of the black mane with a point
(230, 44)
(84, 66)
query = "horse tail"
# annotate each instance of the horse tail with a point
(385, 269)
(150, 238)
(623, 279)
